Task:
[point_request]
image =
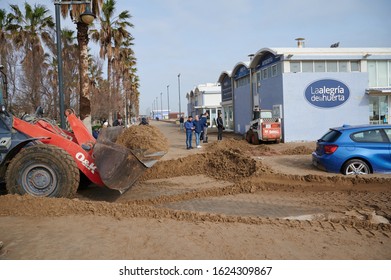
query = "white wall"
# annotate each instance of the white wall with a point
(212, 100)
(306, 122)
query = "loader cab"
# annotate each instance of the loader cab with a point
(262, 114)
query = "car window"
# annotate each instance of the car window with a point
(330, 136)
(388, 132)
(370, 136)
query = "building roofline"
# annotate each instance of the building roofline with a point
(223, 74)
(356, 52)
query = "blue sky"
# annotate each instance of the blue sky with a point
(201, 38)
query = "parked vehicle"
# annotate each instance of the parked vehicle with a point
(353, 150)
(264, 128)
(39, 158)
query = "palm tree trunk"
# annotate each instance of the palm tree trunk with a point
(85, 104)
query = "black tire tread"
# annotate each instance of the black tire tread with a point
(40, 151)
(249, 136)
(255, 139)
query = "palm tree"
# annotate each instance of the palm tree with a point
(113, 31)
(70, 54)
(127, 73)
(82, 38)
(29, 32)
(3, 36)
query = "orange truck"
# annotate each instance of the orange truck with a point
(264, 129)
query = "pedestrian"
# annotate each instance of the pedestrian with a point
(189, 127)
(144, 121)
(95, 133)
(198, 126)
(204, 120)
(220, 127)
(181, 121)
(118, 121)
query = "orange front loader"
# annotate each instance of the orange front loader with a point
(41, 159)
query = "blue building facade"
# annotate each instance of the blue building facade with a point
(241, 96)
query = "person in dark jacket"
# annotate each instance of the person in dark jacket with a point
(181, 122)
(220, 127)
(198, 127)
(118, 122)
(189, 127)
(144, 121)
(204, 120)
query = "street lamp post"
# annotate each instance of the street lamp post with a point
(179, 91)
(87, 17)
(168, 101)
(157, 106)
(161, 104)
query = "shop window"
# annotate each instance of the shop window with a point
(320, 66)
(372, 74)
(343, 66)
(295, 66)
(332, 66)
(378, 109)
(242, 81)
(264, 74)
(308, 66)
(382, 77)
(389, 73)
(274, 70)
(354, 66)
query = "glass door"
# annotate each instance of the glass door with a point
(378, 110)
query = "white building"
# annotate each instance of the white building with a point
(205, 97)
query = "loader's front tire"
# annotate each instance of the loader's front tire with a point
(43, 170)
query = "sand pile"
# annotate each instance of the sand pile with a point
(146, 137)
(220, 164)
(241, 147)
(299, 150)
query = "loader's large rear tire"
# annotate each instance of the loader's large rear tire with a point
(43, 170)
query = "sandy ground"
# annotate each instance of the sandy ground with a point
(227, 200)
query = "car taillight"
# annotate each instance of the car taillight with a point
(329, 149)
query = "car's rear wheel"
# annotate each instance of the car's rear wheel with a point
(355, 167)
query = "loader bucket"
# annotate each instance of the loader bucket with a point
(120, 167)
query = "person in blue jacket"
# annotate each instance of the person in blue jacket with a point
(198, 127)
(189, 127)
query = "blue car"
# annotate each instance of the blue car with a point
(353, 150)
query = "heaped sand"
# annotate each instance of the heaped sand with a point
(227, 200)
(145, 137)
